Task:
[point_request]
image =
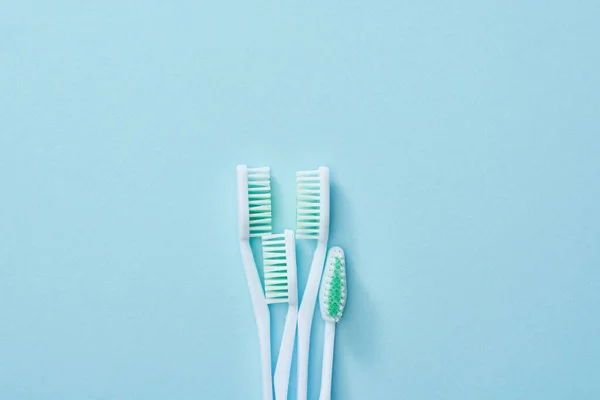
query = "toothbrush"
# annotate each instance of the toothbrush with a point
(254, 220)
(332, 299)
(312, 222)
(281, 286)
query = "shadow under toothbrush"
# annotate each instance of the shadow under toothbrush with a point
(360, 325)
(358, 330)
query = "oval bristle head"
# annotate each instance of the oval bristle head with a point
(259, 201)
(333, 287)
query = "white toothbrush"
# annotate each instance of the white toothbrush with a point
(281, 286)
(312, 222)
(332, 300)
(254, 220)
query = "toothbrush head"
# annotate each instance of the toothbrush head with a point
(312, 204)
(279, 260)
(332, 296)
(254, 201)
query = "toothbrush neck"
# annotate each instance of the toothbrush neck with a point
(322, 240)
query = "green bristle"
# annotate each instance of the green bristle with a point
(335, 291)
(333, 287)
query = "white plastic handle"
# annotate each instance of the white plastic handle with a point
(286, 352)
(305, 317)
(327, 371)
(262, 317)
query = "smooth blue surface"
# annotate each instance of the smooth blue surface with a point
(464, 144)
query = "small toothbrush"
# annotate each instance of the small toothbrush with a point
(281, 286)
(332, 299)
(312, 222)
(254, 220)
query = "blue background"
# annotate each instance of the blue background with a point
(463, 141)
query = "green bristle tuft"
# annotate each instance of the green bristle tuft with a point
(259, 201)
(308, 204)
(333, 286)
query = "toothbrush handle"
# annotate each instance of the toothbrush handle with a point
(286, 352)
(326, 373)
(262, 317)
(264, 335)
(305, 317)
